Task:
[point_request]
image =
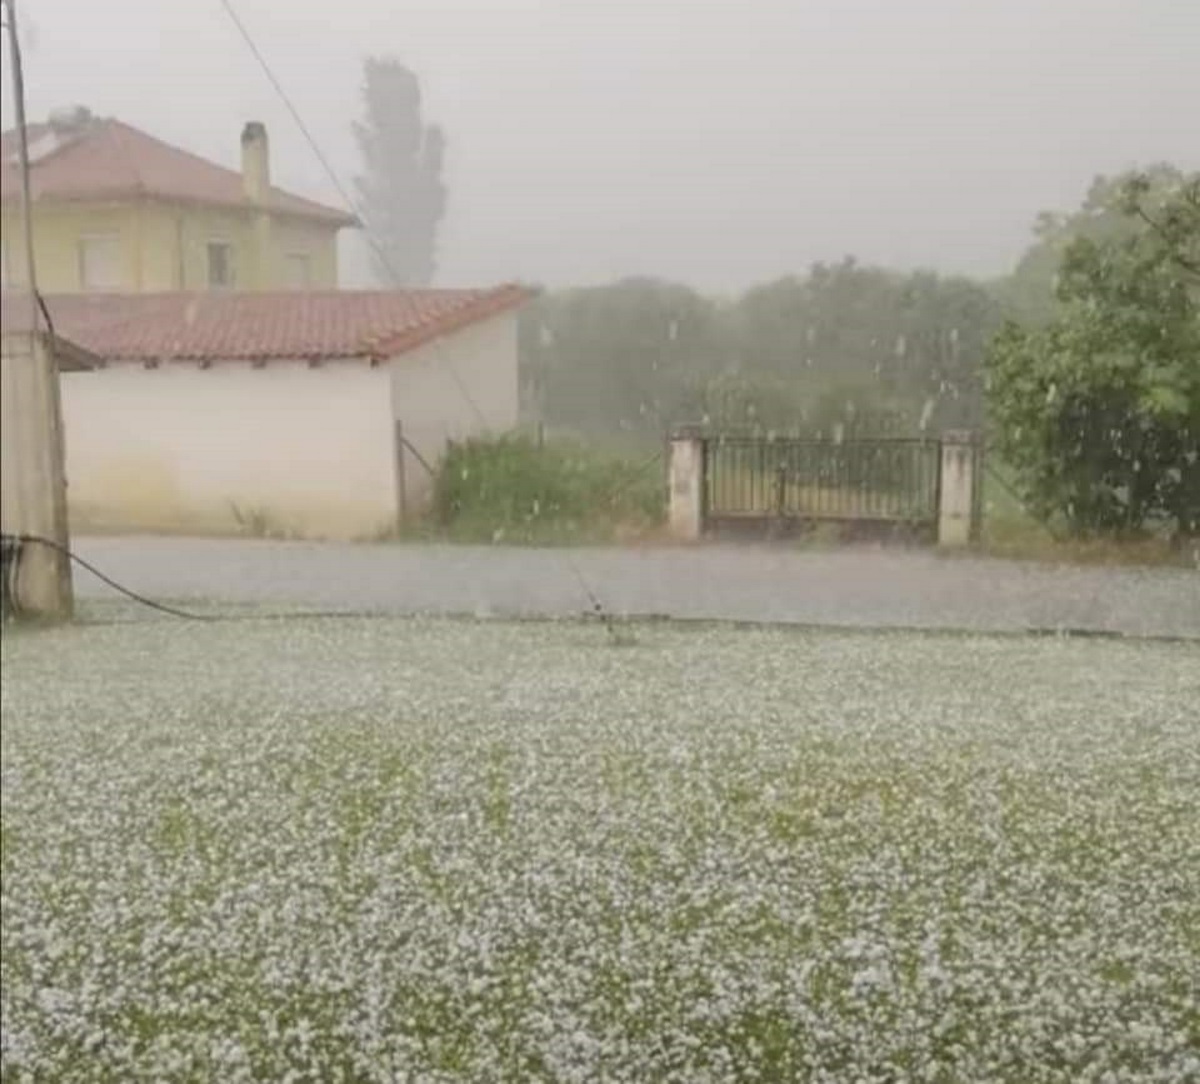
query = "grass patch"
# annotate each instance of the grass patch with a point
(1011, 531)
(260, 522)
(513, 489)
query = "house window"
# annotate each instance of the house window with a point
(298, 268)
(100, 262)
(220, 264)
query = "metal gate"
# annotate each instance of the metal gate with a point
(884, 481)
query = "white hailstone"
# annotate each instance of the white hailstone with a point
(693, 847)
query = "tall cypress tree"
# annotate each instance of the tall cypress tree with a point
(401, 190)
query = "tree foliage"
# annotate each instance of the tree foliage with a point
(1029, 292)
(401, 189)
(1099, 409)
(632, 357)
(875, 341)
(843, 345)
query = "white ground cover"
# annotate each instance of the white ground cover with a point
(382, 850)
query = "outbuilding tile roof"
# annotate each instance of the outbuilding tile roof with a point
(303, 325)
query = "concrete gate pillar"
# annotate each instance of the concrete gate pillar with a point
(685, 516)
(956, 499)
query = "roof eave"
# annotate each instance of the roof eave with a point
(499, 301)
(329, 217)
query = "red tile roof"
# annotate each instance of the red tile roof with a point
(104, 159)
(304, 325)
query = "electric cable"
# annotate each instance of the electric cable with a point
(27, 539)
(376, 246)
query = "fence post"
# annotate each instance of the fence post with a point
(686, 495)
(775, 523)
(980, 468)
(959, 477)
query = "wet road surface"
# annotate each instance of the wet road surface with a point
(750, 583)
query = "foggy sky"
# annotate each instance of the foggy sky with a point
(719, 142)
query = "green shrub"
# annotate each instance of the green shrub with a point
(1098, 410)
(511, 489)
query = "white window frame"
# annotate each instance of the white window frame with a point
(230, 263)
(81, 256)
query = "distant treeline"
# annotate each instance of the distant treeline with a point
(844, 345)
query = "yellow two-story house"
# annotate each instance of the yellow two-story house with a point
(115, 209)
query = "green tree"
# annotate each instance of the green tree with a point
(630, 358)
(1098, 410)
(881, 343)
(1029, 293)
(857, 347)
(401, 189)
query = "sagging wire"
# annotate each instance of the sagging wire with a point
(377, 247)
(15, 543)
(598, 609)
(351, 203)
(10, 550)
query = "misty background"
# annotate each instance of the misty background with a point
(714, 142)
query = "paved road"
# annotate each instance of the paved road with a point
(861, 588)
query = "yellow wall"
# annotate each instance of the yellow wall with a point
(57, 232)
(164, 246)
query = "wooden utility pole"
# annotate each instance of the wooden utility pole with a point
(34, 496)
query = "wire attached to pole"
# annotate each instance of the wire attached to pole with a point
(353, 205)
(38, 540)
(379, 250)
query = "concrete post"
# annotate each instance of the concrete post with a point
(956, 499)
(33, 493)
(686, 473)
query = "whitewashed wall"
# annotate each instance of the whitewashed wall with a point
(293, 449)
(465, 384)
